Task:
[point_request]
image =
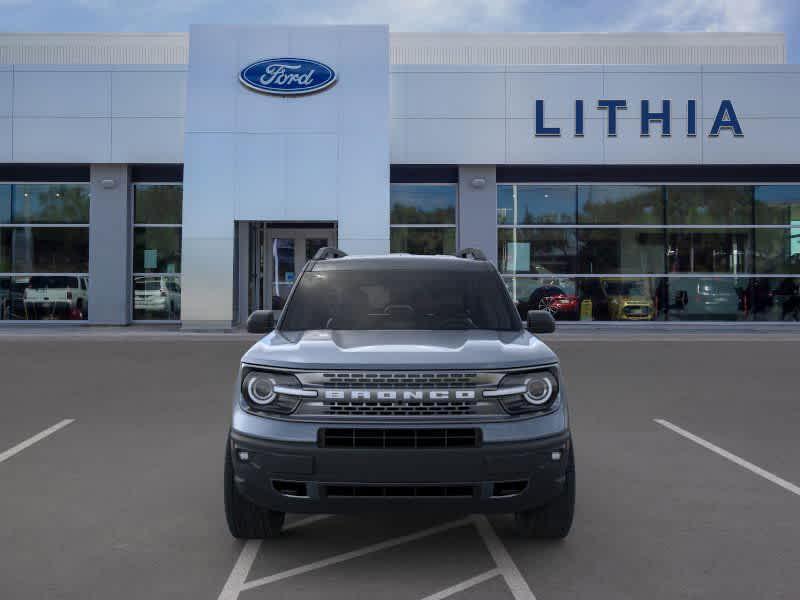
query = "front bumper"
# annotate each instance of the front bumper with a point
(534, 470)
(48, 304)
(151, 304)
(636, 312)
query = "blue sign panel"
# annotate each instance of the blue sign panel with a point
(287, 76)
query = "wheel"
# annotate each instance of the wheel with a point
(549, 305)
(554, 519)
(245, 519)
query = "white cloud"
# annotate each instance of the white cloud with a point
(705, 15)
(416, 15)
(434, 15)
(401, 15)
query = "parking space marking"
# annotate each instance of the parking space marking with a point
(238, 576)
(506, 568)
(464, 585)
(505, 564)
(731, 457)
(4, 456)
(247, 557)
(339, 558)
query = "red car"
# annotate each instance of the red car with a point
(554, 300)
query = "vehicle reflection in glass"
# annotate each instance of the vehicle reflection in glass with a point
(49, 297)
(555, 301)
(708, 299)
(156, 297)
(628, 299)
(555, 295)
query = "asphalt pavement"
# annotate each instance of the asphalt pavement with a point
(688, 462)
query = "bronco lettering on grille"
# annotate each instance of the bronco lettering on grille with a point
(399, 395)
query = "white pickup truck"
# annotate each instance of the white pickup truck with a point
(56, 297)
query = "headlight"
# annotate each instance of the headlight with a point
(266, 391)
(539, 388)
(260, 388)
(527, 392)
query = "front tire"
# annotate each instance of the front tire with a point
(553, 520)
(245, 519)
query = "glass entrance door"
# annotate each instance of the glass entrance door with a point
(278, 254)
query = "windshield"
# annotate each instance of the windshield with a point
(626, 288)
(147, 285)
(40, 282)
(711, 287)
(400, 300)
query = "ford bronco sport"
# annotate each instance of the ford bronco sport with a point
(399, 382)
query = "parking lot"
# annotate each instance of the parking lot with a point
(688, 461)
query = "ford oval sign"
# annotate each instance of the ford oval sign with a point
(287, 76)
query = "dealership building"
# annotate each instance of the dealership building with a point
(186, 178)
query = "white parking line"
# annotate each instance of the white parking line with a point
(731, 457)
(505, 564)
(464, 585)
(33, 439)
(237, 580)
(248, 556)
(326, 562)
(238, 576)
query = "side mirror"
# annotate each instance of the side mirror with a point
(541, 321)
(262, 321)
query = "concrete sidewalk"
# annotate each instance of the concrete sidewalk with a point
(583, 331)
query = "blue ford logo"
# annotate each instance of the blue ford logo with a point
(287, 76)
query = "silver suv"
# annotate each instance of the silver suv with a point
(399, 382)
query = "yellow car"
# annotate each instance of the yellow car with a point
(628, 299)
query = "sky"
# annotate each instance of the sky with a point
(414, 15)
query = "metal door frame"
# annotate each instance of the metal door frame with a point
(256, 277)
(299, 234)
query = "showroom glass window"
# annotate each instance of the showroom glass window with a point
(778, 237)
(537, 246)
(156, 286)
(643, 252)
(534, 236)
(44, 251)
(620, 205)
(423, 217)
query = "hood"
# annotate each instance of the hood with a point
(635, 300)
(400, 350)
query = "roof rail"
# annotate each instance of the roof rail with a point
(471, 253)
(327, 252)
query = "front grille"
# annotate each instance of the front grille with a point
(396, 408)
(384, 380)
(409, 394)
(399, 491)
(399, 438)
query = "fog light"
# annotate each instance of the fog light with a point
(556, 455)
(243, 455)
